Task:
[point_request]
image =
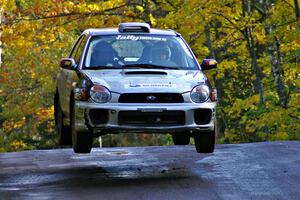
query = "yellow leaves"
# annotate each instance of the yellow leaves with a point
(44, 114)
(2, 149)
(295, 105)
(50, 127)
(226, 66)
(251, 125)
(230, 137)
(33, 75)
(17, 145)
(279, 136)
(19, 124)
(152, 20)
(85, 7)
(93, 7)
(69, 5)
(8, 5)
(140, 8)
(47, 37)
(3, 4)
(261, 38)
(292, 73)
(287, 47)
(12, 124)
(41, 116)
(51, 37)
(9, 31)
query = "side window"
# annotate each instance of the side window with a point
(78, 49)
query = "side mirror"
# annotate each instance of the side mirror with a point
(208, 64)
(68, 63)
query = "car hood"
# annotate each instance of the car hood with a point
(147, 80)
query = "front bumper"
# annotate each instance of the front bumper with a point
(112, 124)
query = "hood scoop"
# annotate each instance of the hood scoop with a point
(146, 72)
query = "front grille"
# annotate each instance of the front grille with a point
(98, 116)
(202, 116)
(151, 118)
(151, 98)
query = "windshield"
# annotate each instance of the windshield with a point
(138, 51)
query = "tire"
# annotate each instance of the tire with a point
(63, 131)
(205, 141)
(181, 139)
(82, 141)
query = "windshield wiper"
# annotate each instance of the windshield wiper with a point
(101, 67)
(149, 66)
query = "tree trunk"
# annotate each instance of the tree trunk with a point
(276, 66)
(208, 41)
(0, 47)
(220, 125)
(251, 49)
(146, 5)
(1, 10)
(256, 68)
(273, 46)
(297, 11)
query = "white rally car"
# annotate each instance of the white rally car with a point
(134, 79)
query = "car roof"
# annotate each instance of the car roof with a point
(114, 31)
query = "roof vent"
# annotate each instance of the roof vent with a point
(134, 27)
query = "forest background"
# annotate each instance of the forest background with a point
(256, 43)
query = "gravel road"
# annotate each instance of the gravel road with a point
(268, 170)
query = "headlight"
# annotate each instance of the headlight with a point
(100, 94)
(200, 93)
(82, 87)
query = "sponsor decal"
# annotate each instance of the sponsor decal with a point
(150, 85)
(136, 37)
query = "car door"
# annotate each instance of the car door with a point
(67, 76)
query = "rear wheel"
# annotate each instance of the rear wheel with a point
(181, 139)
(205, 141)
(82, 141)
(63, 131)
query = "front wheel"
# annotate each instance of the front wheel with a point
(62, 130)
(82, 141)
(205, 141)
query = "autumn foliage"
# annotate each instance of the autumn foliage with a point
(256, 43)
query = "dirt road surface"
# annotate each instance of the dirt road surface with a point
(268, 170)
